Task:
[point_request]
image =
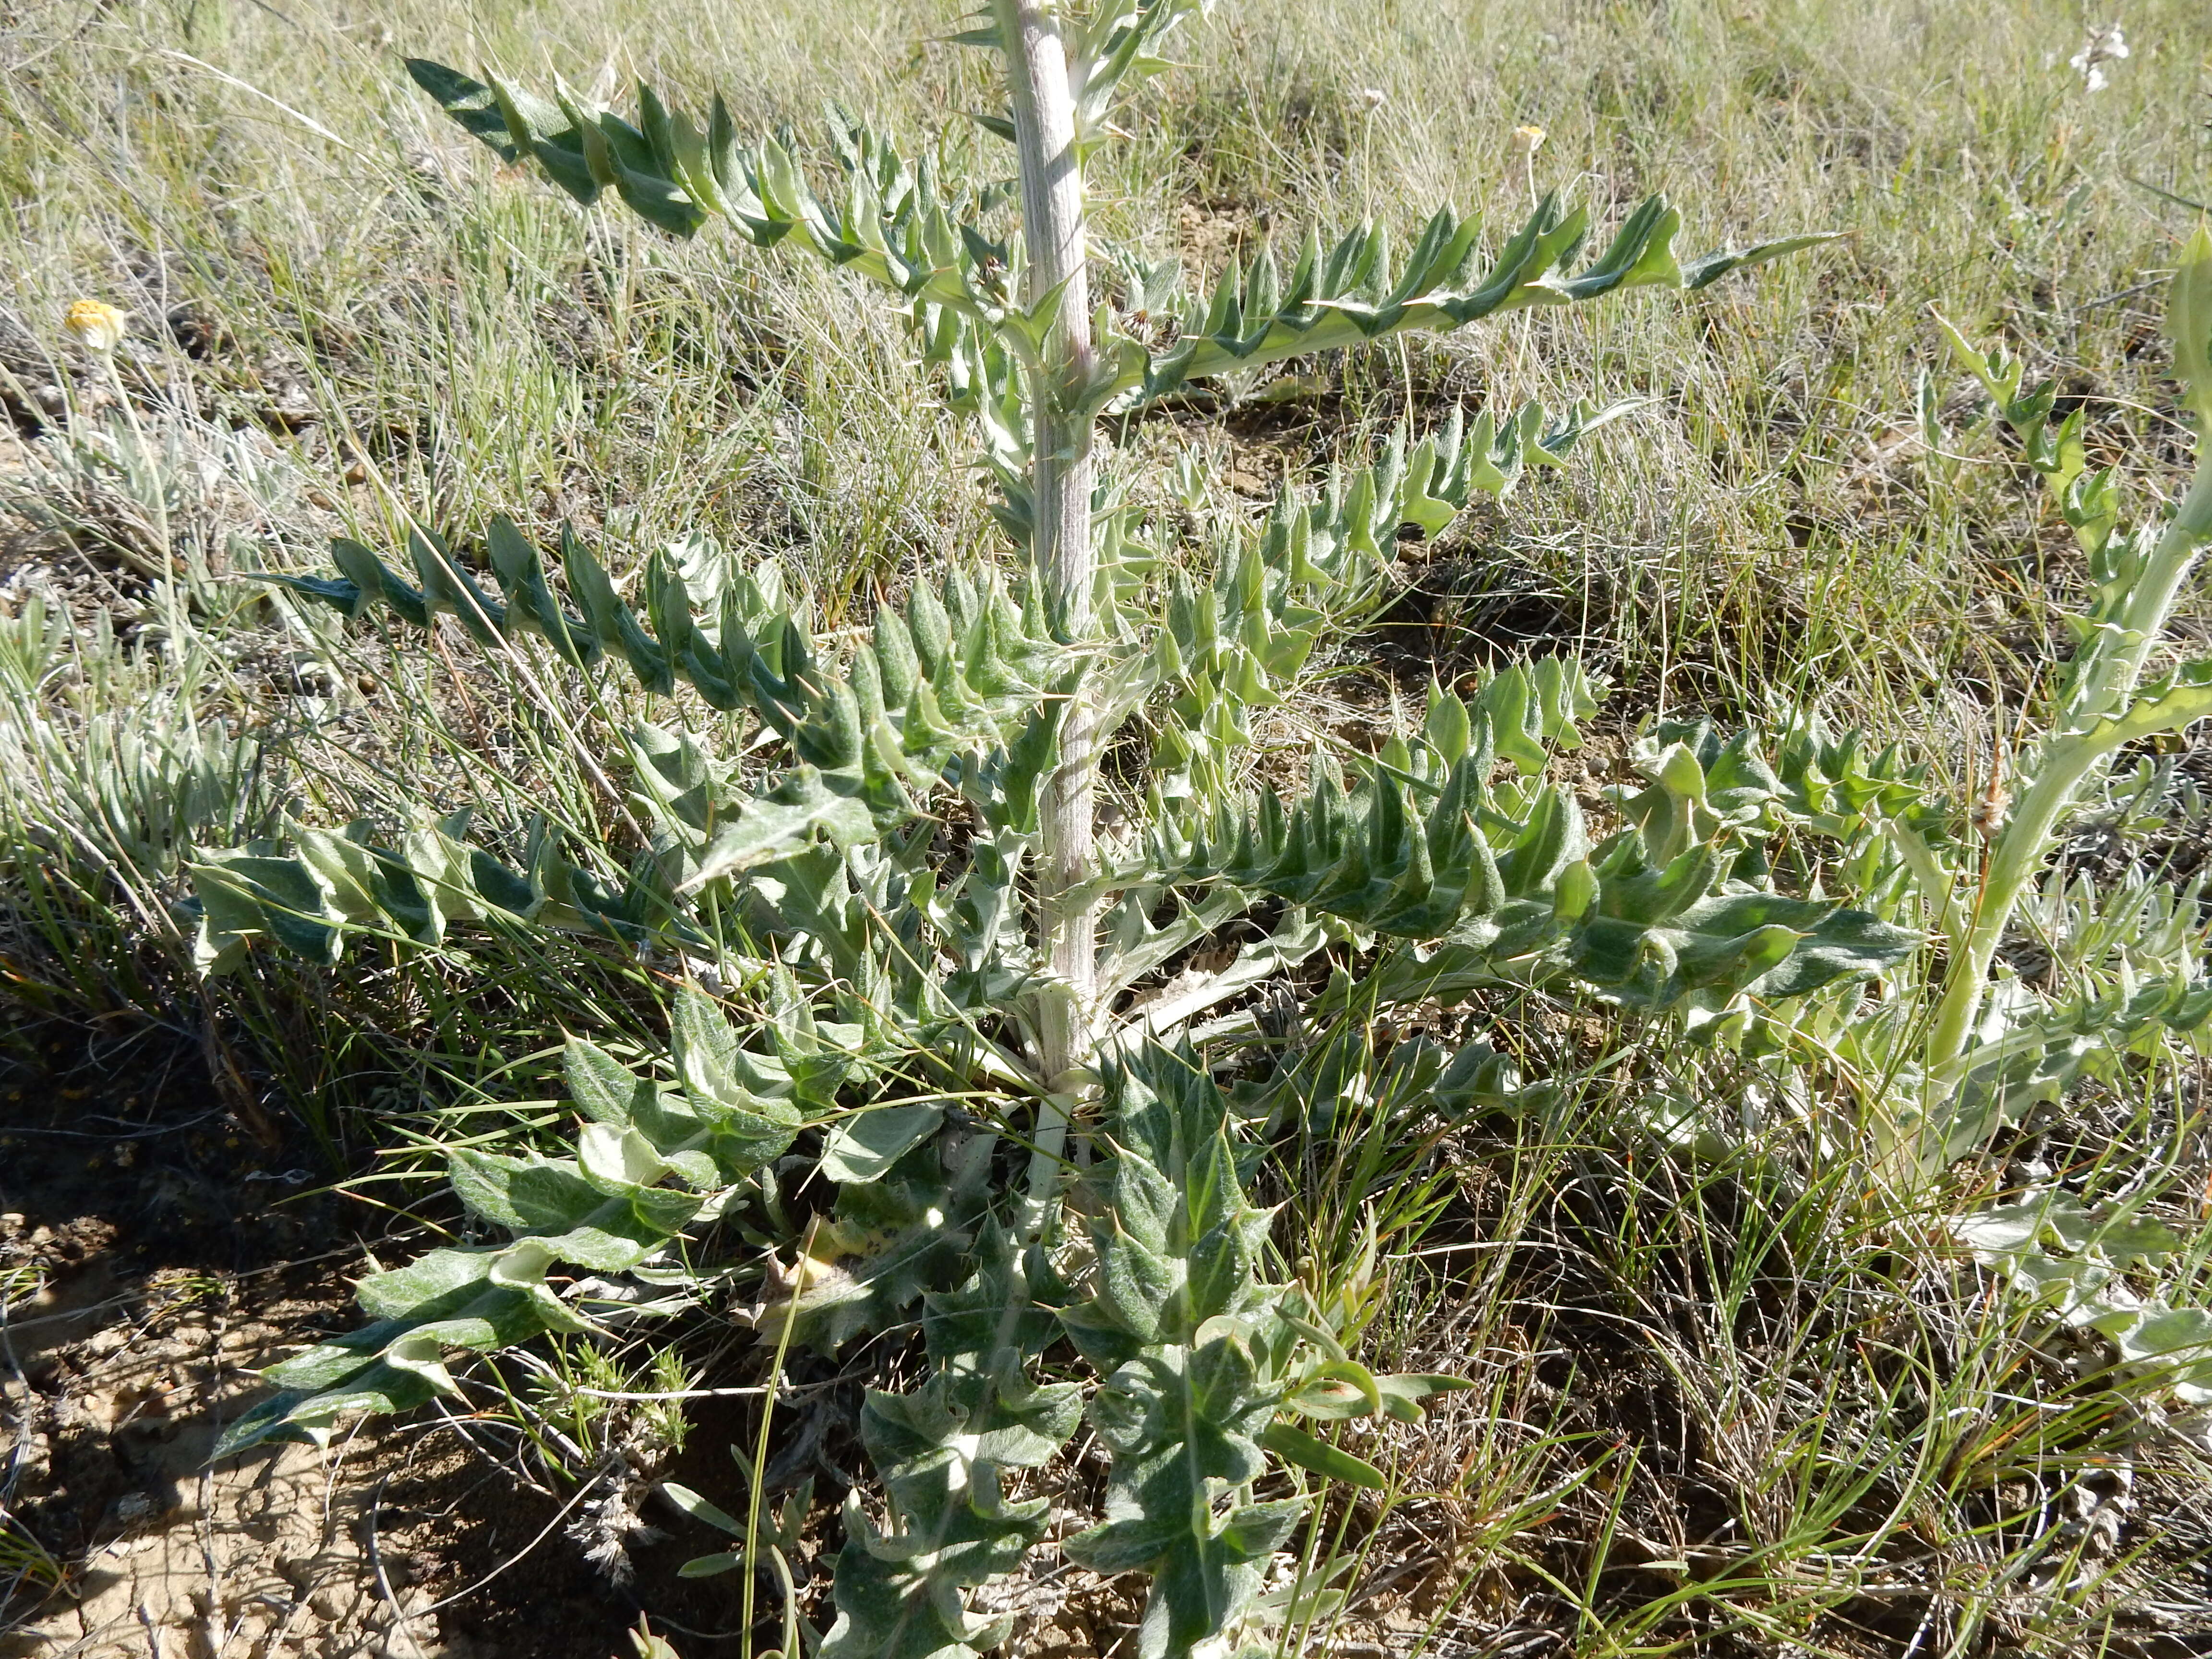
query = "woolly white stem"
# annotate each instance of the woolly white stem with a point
(1052, 235)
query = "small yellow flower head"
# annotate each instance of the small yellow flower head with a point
(1526, 141)
(96, 323)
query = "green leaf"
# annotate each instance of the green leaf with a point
(865, 1145)
(1421, 1385)
(1339, 1389)
(2189, 324)
(245, 893)
(1182, 1413)
(1402, 1394)
(1703, 273)
(700, 1510)
(1295, 1445)
(773, 826)
(899, 1591)
(605, 1090)
(1254, 317)
(2168, 1337)
(2175, 702)
(339, 593)
(471, 103)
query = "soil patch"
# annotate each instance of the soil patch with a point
(154, 1249)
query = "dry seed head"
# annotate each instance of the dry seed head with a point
(1988, 813)
(96, 323)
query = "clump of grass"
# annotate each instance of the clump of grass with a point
(1769, 517)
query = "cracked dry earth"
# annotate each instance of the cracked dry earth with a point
(157, 1246)
(115, 1394)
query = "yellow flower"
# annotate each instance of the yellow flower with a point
(1526, 141)
(96, 323)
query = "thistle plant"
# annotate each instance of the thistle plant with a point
(1014, 1042)
(2101, 705)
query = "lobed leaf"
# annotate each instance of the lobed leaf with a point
(1355, 291)
(602, 1211)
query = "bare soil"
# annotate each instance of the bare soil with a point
(154, 1251)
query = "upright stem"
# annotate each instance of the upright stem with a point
(2022, 847)
(1052, 235)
